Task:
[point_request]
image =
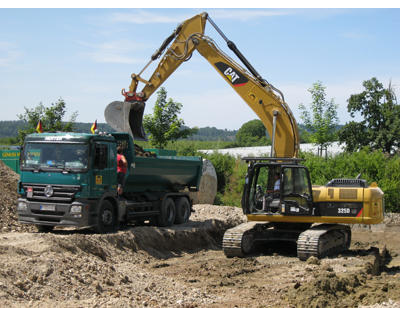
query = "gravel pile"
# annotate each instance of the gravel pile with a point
(8, 198)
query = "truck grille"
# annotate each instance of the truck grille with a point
(61, 193)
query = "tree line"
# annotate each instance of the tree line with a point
(378, 129)
(9, 129)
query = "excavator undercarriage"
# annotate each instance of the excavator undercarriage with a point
(318, 241)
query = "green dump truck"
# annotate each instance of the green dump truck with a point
(70, 179)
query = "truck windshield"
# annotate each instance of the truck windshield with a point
(55, 156)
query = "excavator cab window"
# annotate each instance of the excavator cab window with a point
(264, 197)
(296, 191)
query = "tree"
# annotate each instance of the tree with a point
(322, 121)
(51, 118)
(252, 133)
(164, 125)
(380, 127)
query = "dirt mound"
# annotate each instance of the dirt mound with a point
(366, 287)
(160, 243)
(8, 198)
(43, 269)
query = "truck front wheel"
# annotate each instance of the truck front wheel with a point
(106, 218)
(167, 214)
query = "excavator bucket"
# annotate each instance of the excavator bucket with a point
(126, 117)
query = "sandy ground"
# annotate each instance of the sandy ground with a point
(184, 266)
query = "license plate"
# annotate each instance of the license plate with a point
(47, 207)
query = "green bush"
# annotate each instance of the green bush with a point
(224, 167)
(234, 187)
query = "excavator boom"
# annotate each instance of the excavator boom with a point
(261, 96)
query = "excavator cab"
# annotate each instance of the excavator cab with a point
(277, 186)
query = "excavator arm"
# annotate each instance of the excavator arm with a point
(264, 99)
(179, 51)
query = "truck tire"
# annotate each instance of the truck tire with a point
(107, 221)
(182, 210)
(167, 213)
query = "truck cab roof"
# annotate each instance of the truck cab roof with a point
(68, 136)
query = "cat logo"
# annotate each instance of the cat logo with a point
(234, 76)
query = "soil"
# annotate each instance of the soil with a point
(184, 266)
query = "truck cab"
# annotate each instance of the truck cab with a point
(70, 179)
(62, 177)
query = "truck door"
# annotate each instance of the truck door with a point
(104, 170)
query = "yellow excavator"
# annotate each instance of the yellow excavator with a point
(278, 199)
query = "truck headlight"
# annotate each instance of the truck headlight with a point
(76, 209)
(22, 207)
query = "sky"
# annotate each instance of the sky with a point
(86, 56)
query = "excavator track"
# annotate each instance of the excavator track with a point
(322, 240)
(318, 241)
(238, 241)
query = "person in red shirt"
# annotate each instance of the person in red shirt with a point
(122, 166)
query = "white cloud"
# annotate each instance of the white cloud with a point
(149, 17)
(354, 35)
(245, 15)
(146, 17)
(118, 51)
(8, 54)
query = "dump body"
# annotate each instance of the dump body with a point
(70, 179)
(161, 173)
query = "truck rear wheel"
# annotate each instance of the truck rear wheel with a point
(167, 214)
(182, 210)
(106, 218)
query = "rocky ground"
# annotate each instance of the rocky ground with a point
(183, 266)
